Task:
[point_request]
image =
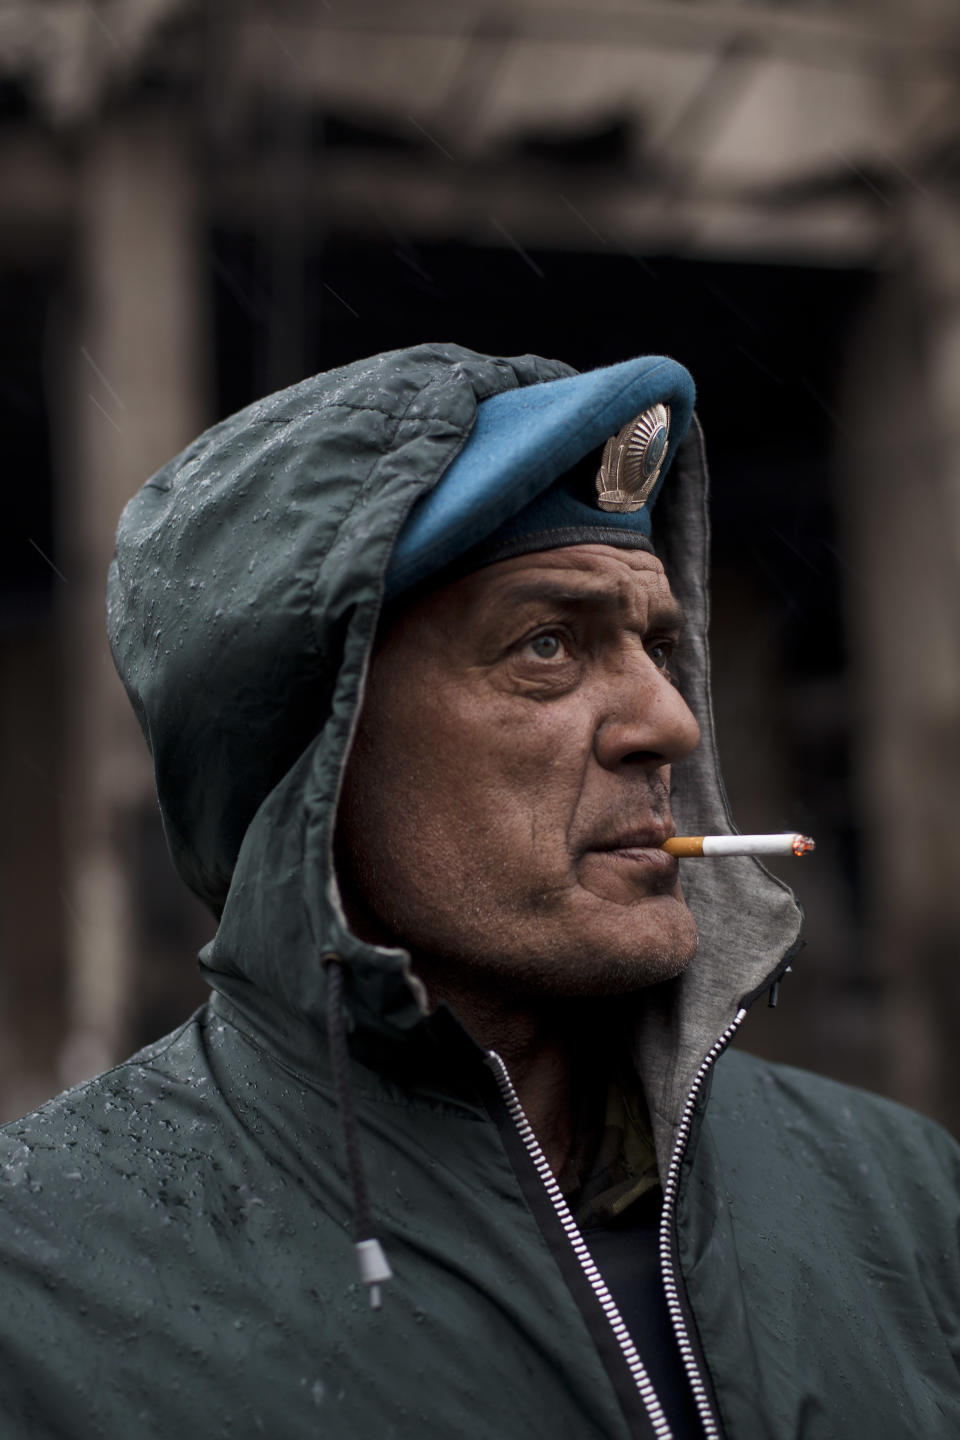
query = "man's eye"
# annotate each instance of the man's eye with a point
(661, 652)
(546, 647)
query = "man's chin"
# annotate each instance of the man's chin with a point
(617, 949)
(583, 946)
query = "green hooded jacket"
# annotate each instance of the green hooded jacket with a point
(175, 1236)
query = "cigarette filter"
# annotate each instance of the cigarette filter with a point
(788, 844)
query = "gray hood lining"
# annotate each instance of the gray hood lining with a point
(747, 919)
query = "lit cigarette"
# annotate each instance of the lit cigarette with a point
(739, 845)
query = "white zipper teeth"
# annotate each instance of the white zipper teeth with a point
(671, 1289)
(641, 1379)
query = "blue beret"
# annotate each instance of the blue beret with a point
(518, 484)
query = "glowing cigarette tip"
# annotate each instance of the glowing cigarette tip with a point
(787, 844)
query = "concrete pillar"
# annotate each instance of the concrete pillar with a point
(903, 537)
(135, 362)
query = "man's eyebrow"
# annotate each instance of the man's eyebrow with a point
(668, 610)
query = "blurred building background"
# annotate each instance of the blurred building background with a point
(203, 200)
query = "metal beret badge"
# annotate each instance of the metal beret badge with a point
(632, 460)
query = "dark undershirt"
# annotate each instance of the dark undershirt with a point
(626, 1253)
(611, 1183)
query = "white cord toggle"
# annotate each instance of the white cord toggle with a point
(374, 1268)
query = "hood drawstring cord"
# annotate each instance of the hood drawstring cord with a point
(374, 1266)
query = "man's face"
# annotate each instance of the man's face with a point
(509, 784)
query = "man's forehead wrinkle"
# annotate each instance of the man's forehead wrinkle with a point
(608, 594)
(618, 586)
(557, 591)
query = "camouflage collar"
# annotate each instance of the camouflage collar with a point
(623, 1165)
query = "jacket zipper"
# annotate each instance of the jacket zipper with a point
(668, 1267)
(641, 1379)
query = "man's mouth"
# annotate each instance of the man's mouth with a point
(645, 838)
(636, 852)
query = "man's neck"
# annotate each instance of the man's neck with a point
(551, 1054)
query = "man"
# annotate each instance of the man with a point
(423, 673)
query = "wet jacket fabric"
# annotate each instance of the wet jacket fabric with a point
(175, 1236)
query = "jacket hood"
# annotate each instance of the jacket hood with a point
(242, 605)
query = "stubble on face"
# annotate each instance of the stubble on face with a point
(508, 787)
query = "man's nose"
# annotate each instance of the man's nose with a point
(643, 718)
